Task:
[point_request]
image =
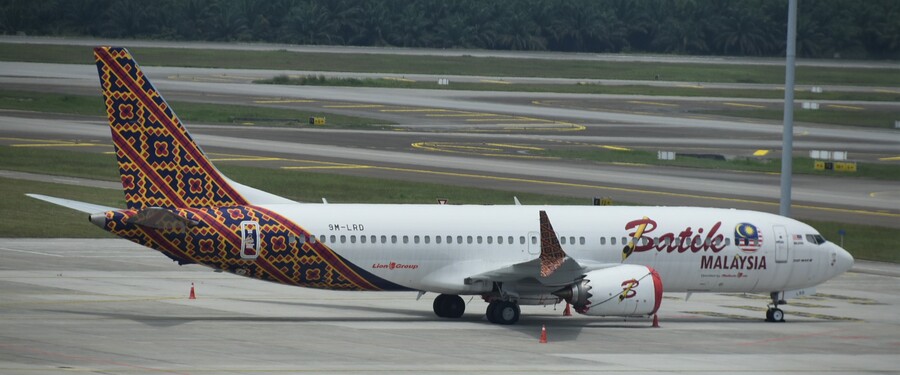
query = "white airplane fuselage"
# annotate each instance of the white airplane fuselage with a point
(419, 247)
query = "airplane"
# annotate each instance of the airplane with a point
(602, 260)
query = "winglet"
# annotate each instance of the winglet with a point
(552, 254)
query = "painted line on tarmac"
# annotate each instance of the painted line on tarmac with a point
(744, 105)
(330, 167)
(354, 106)
(32, 252)
(846, 107)
(761, 153)
(495, 81)
(653, 103)
(284, 101)
(891, 158)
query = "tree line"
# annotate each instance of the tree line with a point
(826, 28)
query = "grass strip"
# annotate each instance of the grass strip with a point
(861, 118)
(459, 65)
(579, 88)
(802, 165)
(207, 113)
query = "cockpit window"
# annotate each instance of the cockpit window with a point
(815, 238)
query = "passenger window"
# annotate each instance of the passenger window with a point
(469, 240)
(521, 240)
(312, 239)
(572, 240)
(383, 239)
(362, 239)
(478, 239)
(500, 240)
(343, 239)
(562, 240)
(353, 239)
(581, 240)
(727, 242)
(373, 239)
(459, 240)
(333, 239)
(510, 240)
(603, 240)
(322, 238)
(533, 240)
(449, 239)
(490, 240)
(427, 239)
(416, 239)
(437, 239)
(405, 239)
(612, 240)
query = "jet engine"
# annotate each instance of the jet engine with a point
(622, 290)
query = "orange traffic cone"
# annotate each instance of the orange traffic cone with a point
(193, 295)
(568, 310)
(543, 334)
(655, 321)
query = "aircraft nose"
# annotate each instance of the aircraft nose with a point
(843, 260)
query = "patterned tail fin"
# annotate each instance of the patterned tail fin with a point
(160, 164)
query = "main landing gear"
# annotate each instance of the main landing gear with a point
(773, 313)
(503, 312)
(449, 306)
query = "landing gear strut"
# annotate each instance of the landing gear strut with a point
(773, 313)
(503, 312)
(449, 306)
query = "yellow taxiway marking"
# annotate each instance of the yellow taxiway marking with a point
(249, 158)
(466, 115)
(398, 79)
(330, 167)
(521, 147)
(417, 110)
(614, 148)
(57, 145)
(744, 105)
(761, 153)
(890, 158)
(505, 119)
(653, 103)
(887, 91)
(692, 86)
(282, 101)
(846, 107)
(354, 106)
(495, 81)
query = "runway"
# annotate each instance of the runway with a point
(109, 306)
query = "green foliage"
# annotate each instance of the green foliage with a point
(863, 118)
(826, 28)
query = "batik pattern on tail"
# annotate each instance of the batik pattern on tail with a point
(159, 162)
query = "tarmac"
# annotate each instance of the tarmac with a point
(109, 306)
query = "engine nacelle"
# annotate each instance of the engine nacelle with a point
(622, 290)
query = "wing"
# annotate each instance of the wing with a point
(552, 267)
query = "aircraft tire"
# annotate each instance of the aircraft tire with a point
(449, 306)
(438, 305)
(489, 314)
(505, 313)
(777, 315)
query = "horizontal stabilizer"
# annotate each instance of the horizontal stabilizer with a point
(160, 218)
(75, 205)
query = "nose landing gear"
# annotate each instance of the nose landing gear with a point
(773, 313)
